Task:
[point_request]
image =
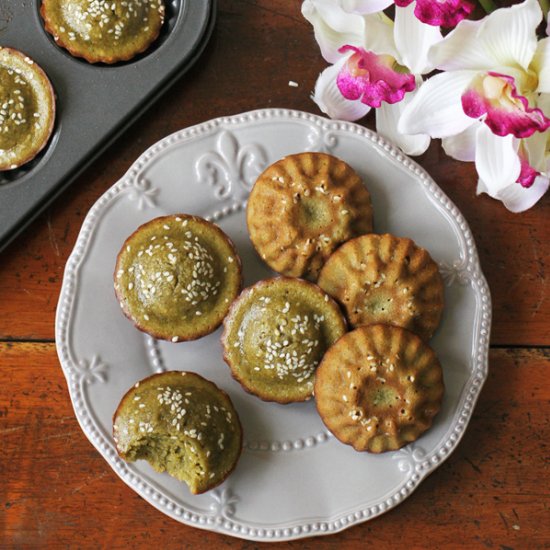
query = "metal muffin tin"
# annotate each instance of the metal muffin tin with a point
(95, 103)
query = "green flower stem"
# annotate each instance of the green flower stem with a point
(489, 5)
(545, 6)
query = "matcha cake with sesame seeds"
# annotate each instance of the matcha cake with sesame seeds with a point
(104, 31)
(27, 109)
(302, 208)
(386, 279)
(176, 276)
(181, 424)
(379, 388)
(275, 335)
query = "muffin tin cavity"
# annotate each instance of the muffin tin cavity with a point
(27, 170)
(95, 102)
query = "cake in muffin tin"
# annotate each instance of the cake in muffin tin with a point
(103, 31)
(27, 109)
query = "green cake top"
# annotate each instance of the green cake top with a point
(277, 333)
(176, 277)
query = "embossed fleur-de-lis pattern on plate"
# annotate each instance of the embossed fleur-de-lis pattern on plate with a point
(321, 141)
(233, 167)
(91, 371)
(143, 193)
(455, 272)
(224, 502)
(408, 457)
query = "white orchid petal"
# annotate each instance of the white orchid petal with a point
(379, 35)
(333, 15)
(414, 39)
(506, 37)
(436, 109)
(543, 102)
(387, 118)
(497, 160)
(331, 101)
(365, 7)
(517, 198)
(462, 146)
(333, 27)
(536, 149)
(538, 145)
(541, 65)
(450, 54)
(481, 187)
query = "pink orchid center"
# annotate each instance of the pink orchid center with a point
(527, 173)
(440, 13)
(372, 78)
(495, 97)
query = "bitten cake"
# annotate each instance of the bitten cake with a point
(181, 424)
(379, 388)
(385, 279)
(176, 276)
(304, 206)
(27, 109)
(103, 31)
(276, 333)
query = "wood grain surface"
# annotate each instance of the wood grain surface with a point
(57, 491)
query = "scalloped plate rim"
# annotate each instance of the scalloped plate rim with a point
(301, 527)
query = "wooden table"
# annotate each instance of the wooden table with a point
(56, 490)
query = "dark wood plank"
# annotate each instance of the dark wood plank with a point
(57, 491)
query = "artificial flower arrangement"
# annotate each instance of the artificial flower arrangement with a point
(483, 87)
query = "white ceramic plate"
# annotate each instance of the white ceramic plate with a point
(293, 479)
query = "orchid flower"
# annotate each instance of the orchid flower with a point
(439, 13)
(485, 105)
(364, 7)
(376, 63)
(444, 13)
